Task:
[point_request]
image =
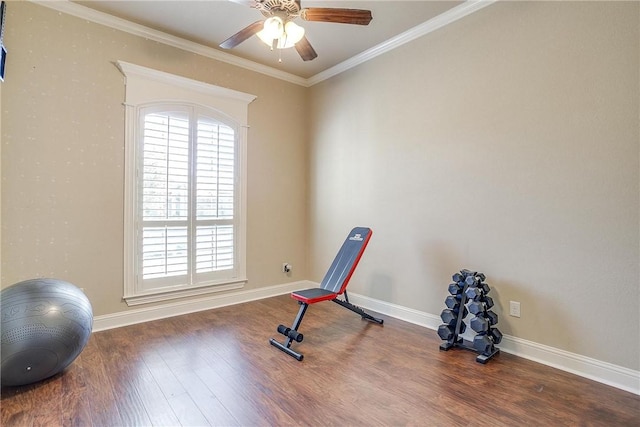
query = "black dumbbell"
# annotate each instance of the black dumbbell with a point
(455, 289)
(466, 273)
(472, 280)
(477, 292)
(483, 321)
(481, 306)
(480, 324)
(484, 286)
(446, 332)
(476, 307)
(484, 344)
(450, 317)
(458, 278)
(491, 317)
(487, 300)
(496, 335)
(453, 301)
(474, 293)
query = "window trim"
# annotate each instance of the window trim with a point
(145, 86)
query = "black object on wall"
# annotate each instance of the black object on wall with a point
(3, 51)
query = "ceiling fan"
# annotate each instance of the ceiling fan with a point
(279, 31)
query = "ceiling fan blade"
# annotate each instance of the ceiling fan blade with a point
(306, 51)
(242, 35)
(340, 16)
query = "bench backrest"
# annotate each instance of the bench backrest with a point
(345, 263)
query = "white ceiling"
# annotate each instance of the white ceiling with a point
(209, 22)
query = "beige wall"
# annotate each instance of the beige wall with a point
(62, 154)
(507, 142)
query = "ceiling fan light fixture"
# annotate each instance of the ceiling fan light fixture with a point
(279, 32)
(286, 35)
(294, 32)
(273, 29)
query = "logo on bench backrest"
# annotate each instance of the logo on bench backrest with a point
(357, 237)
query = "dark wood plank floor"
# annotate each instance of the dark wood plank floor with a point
(217, 368)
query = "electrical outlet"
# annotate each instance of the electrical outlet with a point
(286, 267)
(514, 308)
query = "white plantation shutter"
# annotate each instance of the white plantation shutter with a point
(165, 195)
(185, 186)
(215, 173)
(186, 197)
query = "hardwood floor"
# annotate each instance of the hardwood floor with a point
(217, 368)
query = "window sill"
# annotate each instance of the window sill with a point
(158, 296)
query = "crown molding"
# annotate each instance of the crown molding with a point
(435, 23)
(446, 18)
(79, 11)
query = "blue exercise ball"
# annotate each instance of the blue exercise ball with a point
(45, 325)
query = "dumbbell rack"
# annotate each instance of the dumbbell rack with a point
(469, 289)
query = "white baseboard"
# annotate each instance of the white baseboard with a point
(597, 370)
(602, 372)
(147, 314)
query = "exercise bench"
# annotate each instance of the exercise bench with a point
(334, 284)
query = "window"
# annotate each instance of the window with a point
(186, 166)
(184, 187)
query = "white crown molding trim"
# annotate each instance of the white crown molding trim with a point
(147, 314)
(452, 15)
(446, 18)
(596, 370)
(79, 11)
